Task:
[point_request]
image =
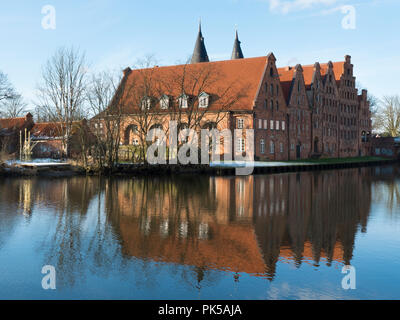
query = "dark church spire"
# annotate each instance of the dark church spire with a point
(200, 52)
(237, 50)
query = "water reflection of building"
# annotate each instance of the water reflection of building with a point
(206, 225)
(319, 221)
(240, 224)
(243, 224)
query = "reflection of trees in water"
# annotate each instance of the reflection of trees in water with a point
(386, 189)
(16, 204)
(109, 225)
(80, 239)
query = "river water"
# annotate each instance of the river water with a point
(280, 236)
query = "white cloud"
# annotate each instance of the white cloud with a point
(285, 6)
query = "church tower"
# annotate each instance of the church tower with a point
(200, 52)
(237, 50)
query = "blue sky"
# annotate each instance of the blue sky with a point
(115, 33)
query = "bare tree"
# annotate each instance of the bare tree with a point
(387, 117)
(374, 108)
(61, 93)
(6, 89)
(7, 93)
(104, 97)
(183, 89)
(14, 107)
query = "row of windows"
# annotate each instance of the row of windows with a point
(349, 83)
(348, 135)
(272, 105)
(364, 123)
(348, 108)
(271, 147)
(273, 125)
(183, 100)
(329, 132)
(302, 128)
(348, 95)
(348, 121)
(330, 118)
(269, 88)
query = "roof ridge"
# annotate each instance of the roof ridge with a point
(202, 63)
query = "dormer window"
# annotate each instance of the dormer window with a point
(203, 100)
(183, 101)
(164, 102)
(146, 103)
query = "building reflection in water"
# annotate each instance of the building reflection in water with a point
(236, 224)
(243, 224)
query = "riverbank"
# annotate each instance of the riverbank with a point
(217, 168)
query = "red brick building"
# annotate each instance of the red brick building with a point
(47, 137)
(11, 131)
(296, 112)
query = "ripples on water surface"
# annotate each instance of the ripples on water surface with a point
(283, 236)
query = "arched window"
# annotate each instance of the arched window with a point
(129, 135)
(156, 126)
(271, 147)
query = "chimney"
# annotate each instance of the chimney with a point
(127, 71)
(28, 117)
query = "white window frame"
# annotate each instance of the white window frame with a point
(183, 101)
(271, 124)
(283, 126)
(203, 100)
(241, 146)
(265, 124)
(262, 146)
(240, 123)
(164, 102)
(277, 125)
(146, 103)
(271, 147)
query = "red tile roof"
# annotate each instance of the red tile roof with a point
(286, 77)
(12, 123)
(47, 129)
(232, 83)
